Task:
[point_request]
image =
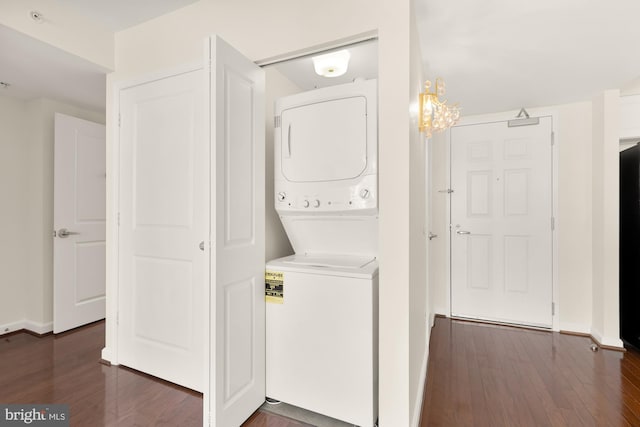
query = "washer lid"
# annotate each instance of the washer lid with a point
(330, 261)
(327, 264)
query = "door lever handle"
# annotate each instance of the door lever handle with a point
(432, 236)
(63, 232)
(463, 232)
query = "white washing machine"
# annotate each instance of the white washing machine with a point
(322, 336)
(322, 303)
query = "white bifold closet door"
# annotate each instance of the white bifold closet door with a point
(164, 205)
(237, 353)
(191, 232)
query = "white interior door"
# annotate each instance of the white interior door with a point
(237, 359)
(79, 220)
(163, 217)
(501, 222)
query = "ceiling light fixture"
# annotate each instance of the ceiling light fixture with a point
(332, 64)
(4, 85)
(436, 115)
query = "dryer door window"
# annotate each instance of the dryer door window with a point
(325, 141)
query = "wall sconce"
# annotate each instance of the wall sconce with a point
(435, 115)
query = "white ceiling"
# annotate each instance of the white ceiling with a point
(500, 55)
(495, 55)
(117, 15)
(35, 69)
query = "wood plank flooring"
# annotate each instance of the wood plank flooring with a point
(487, 375)
(478, 375)
(66, 369)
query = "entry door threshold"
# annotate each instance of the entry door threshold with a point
(502, 323)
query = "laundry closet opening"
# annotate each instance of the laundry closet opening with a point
(322, 231)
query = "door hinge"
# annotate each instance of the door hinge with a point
(277, 121)
(553, 139)
(553, 308)
(553, 223)
(119, 120)
(118, 219)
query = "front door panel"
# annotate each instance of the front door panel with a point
(501, 232)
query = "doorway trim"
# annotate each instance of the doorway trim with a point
(556, 138)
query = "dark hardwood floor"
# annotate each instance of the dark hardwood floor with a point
(486, 375)
(478, 375)
(66, 369)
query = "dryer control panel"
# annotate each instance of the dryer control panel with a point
(360, 197)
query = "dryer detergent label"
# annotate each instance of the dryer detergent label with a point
(274, 287)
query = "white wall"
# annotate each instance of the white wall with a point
(257, 29)
(605, 206)
(632, 88)
(277, 243)
(28, 136)
(419, 315)
(403, 292)
(14, 177)
(574, 216)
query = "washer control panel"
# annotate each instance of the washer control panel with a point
(339, 199)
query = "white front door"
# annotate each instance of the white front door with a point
(237, 352)
(164, 217)
(501, 222)
(79, 220)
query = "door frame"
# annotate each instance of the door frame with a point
(503, 117)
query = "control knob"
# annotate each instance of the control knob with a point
(364, 193)
(305, 203)
(282, 196)
(316, 203)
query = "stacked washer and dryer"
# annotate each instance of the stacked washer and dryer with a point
(322, 311)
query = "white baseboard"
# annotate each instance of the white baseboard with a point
(105, 354)
(7, 328)
(38, 328)
(578, 328)
(606, 341)
(417, 407)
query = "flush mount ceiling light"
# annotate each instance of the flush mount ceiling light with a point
(436, 115)
(4, 85)
(332, 64)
